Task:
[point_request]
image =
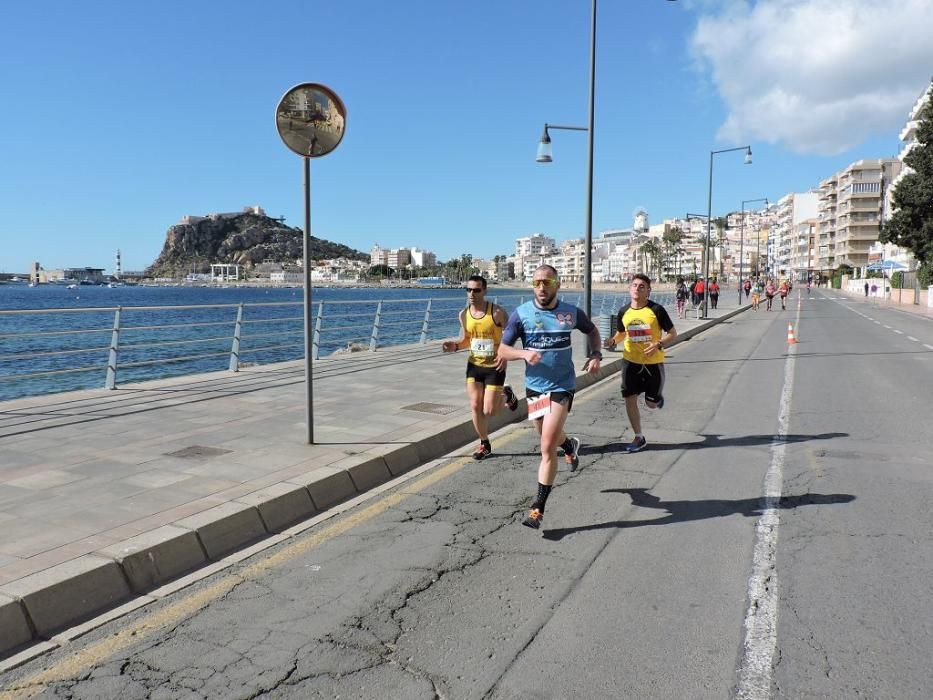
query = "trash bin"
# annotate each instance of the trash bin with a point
(606, 325)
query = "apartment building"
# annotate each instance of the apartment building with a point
(784, 246)
(533, 245)
(909, 141)
(858, 207)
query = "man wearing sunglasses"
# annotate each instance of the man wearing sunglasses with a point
(544, 326)
(481, 324)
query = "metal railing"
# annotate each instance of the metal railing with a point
(57, 353)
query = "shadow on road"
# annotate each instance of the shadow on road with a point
(685, 511)
(710, 441)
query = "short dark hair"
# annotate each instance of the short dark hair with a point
(643, 278)
(551, 268)
(477, 278)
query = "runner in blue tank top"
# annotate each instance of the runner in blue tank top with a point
(544, 326)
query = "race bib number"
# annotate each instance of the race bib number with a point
(639, 332)
(539, 406)
(482, 347)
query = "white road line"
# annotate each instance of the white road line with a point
(887, 326)
(928, 347)
(910, 337)
(755, 673)
(898, 332)
(878, 322)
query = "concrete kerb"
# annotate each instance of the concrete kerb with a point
(42, 604)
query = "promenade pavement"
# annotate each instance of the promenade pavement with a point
(110, 498)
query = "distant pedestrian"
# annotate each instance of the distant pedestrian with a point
(645, 328)
(747, 286)
(866, 288)
(681, 293)
(770, 291)
(544, 326)
(481, 325)
(783, 291)
(714, 293)
(700, 290)
(756, 294)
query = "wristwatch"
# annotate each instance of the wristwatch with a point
(595, 355)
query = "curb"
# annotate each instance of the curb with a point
(38, 607)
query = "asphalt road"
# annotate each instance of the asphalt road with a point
(773, 541)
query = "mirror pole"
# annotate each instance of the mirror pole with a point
(309, 411)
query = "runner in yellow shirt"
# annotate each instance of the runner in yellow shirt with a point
(481, 324)
(646, 329)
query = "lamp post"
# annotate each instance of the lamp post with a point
(544, 156)
(742, 240)
(688, 216)
(709, 216)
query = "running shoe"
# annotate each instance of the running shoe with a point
(636, 445)
(573, 456)
(534, 519)
(658, 405)
(511, 400)
(482, 452)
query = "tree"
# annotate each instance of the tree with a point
(671, 240)
(380, 271)
(652, 252)
(721, 223)
(911, 226)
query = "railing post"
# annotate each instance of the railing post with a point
(427, 321)
(374, 340)
(316, 339)
(235, 348)
(111, 380)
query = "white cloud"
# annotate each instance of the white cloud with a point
(819, 76)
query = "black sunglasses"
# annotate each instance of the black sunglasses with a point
(474, 289)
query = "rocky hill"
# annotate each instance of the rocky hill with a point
(245, 239)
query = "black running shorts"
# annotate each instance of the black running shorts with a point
(643, 379)
(487, 376)
(564, 398)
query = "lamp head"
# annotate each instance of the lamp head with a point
(748, 156)
(544, 148)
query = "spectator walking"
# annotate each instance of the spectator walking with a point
(714, 293)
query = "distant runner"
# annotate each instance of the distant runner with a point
(481, 324)
(544, 326)
(646, 328)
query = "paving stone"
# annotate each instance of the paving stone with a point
(281, 505)
(152, 558)
(327, 486)
(225, 528)
(14, 627)
(69, 592)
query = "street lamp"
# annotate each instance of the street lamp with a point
(709, 215)
(544, 156)
(702, 217)
(742, 240)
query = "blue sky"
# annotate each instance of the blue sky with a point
(119, 118)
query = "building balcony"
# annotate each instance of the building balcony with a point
(910, 128)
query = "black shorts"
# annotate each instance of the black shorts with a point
(564, 398)
(643, 379)
(489, 377)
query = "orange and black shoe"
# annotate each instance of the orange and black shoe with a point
(483, 451)
(534, 519)
(511, 400)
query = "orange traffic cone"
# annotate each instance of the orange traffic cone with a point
(791, 339)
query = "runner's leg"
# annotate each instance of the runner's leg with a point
(476, 392)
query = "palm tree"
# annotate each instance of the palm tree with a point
(651, 250)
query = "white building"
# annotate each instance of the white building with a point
(784, 251)
(909, 141)
(423, 258)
